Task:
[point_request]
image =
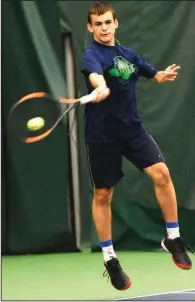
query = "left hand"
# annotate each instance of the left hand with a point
(168, 75)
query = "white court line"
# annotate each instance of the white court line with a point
(189, 290)
(152, 295)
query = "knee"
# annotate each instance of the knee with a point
(162, 177)
(103, 196)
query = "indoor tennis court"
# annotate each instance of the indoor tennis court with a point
(51, 248)
(80, 277)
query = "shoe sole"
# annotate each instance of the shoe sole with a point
(124, 288)
(185, 267)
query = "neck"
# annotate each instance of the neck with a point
(110, 43)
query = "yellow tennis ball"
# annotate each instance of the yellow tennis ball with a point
(35, 123)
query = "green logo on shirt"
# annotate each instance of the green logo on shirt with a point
(123, 70)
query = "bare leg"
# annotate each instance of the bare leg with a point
(164, 190)
(166, 197)
(101, 211)
(102, 218)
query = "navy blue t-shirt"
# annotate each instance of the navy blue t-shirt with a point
(115, 118)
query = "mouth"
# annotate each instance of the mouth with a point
(105, 35)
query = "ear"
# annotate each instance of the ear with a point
(116, 23)
(89, 27)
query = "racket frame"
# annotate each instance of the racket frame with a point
(73, 102)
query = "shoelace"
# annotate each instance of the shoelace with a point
(105, 274)
(114, 268)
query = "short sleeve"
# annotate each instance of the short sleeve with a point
(145, 70)
(91, 63)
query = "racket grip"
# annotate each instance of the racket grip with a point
(88, 98)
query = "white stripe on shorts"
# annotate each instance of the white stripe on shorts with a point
(160, 155)
(89, 165)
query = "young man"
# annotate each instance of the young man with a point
(113, 129)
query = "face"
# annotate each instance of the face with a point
(103, 28)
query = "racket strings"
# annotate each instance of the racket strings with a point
(35, 116)
(28, 110)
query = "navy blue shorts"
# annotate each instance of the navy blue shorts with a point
(105, 159)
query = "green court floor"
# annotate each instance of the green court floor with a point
(79, 276)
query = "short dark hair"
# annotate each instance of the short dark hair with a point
(100, 8)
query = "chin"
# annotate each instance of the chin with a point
(106, 40)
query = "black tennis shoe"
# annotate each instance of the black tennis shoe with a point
(178, 249)
(116, 274)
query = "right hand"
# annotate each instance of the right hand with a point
(101, 93)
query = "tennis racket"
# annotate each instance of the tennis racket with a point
(44, 106)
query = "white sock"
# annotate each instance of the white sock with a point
(172, 230)
(108, 250)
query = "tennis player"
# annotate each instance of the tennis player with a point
(113, 129)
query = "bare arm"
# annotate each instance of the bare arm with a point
(101, 89)
(168, 75)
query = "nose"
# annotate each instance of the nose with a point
(104, 27)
